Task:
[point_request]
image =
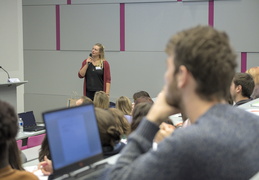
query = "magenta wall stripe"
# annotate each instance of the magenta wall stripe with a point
(211, 13)
(243, 61)
(57, 27)
(68, 1)
(122, 27)
(179, 0)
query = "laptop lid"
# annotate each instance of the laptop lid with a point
(28, 119)
(73, 137)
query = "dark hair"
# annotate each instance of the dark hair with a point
(143, 99)
(138, 113)
(8, 122)
(139, 94)
(8, 132)
(14, 155)
(246, 81)
(44, 150)
(208, 56)
(109, 132)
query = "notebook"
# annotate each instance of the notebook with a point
(74, 140)
(29, 122)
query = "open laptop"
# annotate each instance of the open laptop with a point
(29, 122)
(74, 141)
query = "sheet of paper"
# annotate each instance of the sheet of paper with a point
(36, 171)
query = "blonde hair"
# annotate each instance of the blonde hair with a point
(101, 51)
(254, 72)
(83, 100)
(101, 100)
(124, 104)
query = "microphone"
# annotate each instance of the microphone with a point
(90, 55)
(6, 73)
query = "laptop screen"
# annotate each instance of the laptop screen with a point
(73, 137)
(28, 119)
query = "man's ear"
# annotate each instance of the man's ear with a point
(239, 89)
(182, 76)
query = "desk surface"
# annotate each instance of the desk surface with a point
(32, 166)
(251, 106)
(24, 135)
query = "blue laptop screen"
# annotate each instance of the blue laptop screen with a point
(73, 135)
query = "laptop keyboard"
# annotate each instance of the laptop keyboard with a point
(38, 128)
(93, 173)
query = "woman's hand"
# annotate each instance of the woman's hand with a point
(89, 59)
(46, 166)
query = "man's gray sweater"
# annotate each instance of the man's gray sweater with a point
(222, 144)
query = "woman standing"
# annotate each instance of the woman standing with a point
(96, 72)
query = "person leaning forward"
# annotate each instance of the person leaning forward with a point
(221, 143)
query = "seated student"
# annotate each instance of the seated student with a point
(101, 100)
(110, 138)
(8, 132)
(241, 88)
(122, 122)
(254, 71)
(140, 111)
(83, 100)
(109, 133)
(123, 103)
(141, 96)
(221, 143)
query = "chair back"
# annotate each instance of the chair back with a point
(35, 140)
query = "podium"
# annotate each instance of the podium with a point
(8, 92)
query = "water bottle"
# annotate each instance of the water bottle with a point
(20, 125)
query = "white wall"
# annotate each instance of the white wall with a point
(52, 73)
(11, 45)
